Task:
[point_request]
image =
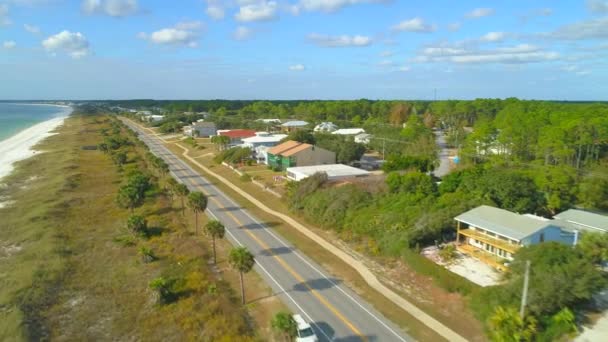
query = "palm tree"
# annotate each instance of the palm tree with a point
(182, 191)
(215, 229)
(170, 188)
(241, 260)
(197, 201)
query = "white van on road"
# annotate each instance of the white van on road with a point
(305, 332)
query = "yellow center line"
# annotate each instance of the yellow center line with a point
(297, 276)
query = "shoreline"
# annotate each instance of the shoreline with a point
(20, 146)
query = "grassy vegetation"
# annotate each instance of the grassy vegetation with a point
(71, 270)
(449, 308)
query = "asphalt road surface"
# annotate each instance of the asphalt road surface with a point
(335, 312)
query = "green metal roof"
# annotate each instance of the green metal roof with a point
(585, 220)
(502, 222)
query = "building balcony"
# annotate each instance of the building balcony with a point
(485, 257)
(492, 241)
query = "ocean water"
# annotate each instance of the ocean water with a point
(17, 117)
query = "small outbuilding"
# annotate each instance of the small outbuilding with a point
(333, 172)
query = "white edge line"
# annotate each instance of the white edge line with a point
(274, 280)
(256, 261)
(267, 229)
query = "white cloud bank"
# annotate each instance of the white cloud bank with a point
(74, 44)
(518, 54)
(113, 8)
(339, 41)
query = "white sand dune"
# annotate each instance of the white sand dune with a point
(19, 146)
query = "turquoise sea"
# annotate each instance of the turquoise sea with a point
(16, 117)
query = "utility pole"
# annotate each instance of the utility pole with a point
(383, 142)
(524, 296)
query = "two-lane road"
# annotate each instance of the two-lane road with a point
(336, 312)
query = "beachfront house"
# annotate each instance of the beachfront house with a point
(493, 235)
(292, 153)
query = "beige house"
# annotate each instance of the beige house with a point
(292, 153)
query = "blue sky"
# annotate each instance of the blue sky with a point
(303, 49)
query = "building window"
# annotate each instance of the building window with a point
(542, 237)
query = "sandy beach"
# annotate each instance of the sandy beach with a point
(19, 146)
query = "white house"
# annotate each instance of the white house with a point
(201, 129)
(349, 131)
(263, 139)
(333, 171)
(270, 121)
(325, 127)
(291, 126)
(363, 138)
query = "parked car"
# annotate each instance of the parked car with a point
(305, 332)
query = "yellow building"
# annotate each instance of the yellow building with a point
(493, 235)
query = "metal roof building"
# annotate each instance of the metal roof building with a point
(502, 222)
(584, 220)
(333, 171)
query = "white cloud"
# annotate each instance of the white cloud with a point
(189, 25)
(297, 67)
(339, 41)
(405, 68)
(9, 44)
(479, 13)
(453, 27)
(258, 11)
(493, 37)
(74, 44)
(215, 12)
(242, 33)
(589, 29)
(386, 53)
(31, 28)
(583, 73)
(414, 25)
(4, 19)
(518, 54)
(386, 63)
(182, 34)
(598, 6)
(570, 68)
(327, 6)
(114, 8)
